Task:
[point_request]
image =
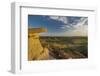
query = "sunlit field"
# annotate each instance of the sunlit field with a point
(66, 47)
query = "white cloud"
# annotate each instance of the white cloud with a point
(59, 18)
(80, 29)
(82, 21)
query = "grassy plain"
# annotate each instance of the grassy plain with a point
(66, 47)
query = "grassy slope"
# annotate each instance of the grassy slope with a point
(73, 47)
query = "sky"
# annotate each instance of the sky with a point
(59, 25)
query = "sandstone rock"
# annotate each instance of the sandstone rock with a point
(35, 50)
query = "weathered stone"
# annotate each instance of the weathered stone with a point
(35, 50)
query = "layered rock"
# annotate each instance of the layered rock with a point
(35, 50)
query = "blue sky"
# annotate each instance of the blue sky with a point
(59, 25)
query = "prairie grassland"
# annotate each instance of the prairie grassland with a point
(66, 47)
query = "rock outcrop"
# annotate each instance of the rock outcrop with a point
(35, 50)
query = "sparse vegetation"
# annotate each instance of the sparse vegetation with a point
(66, 47)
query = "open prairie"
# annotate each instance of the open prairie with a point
(66, 47)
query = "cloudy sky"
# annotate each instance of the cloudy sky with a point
(60, 25)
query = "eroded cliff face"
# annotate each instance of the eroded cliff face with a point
(35, 50)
